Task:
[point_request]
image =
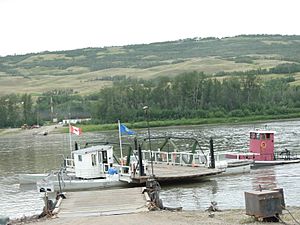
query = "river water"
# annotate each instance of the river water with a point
(27, 153)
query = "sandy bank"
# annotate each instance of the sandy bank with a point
(233, 217)
(29, 132)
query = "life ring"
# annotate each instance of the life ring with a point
(263, 144)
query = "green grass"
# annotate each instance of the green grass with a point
(187, 122)
(44, 57)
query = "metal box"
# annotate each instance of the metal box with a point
(263, 204)
(280, 190)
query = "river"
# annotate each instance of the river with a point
(28, 153)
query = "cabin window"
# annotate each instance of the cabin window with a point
(262, 136)
(80, 158)
(94, 160)
(268, 136)
(254, 136)
(99, 158)
(104, 156)
(258, 136)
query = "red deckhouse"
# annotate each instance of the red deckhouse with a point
(262, 145)
(261, 151)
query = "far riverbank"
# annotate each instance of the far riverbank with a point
(188, 122)
(155, 123)
(35, 131)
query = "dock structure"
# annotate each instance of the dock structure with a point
(171, 173)
(103, 202)
(168, 166)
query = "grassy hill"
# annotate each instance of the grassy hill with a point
(88, 70)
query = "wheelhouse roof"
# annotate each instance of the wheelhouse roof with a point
(263, 131)
(92, 149)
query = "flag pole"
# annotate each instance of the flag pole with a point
(120, 139)
(70, 137)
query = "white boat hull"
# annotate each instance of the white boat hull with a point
(237, 168)
(71, 183)
(32, 178)
(84, 184)
(274, 162)
(233, 166)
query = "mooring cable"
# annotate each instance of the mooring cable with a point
(281, 220)
(292, 216)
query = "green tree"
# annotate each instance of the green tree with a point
(28, 112)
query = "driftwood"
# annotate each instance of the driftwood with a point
(155, 203)
(213, 207)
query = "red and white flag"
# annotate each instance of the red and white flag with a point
(75, 130)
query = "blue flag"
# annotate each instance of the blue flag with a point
(125, 130)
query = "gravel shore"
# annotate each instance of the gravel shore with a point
(232, 217)
(36, 131)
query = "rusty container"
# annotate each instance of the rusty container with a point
(263, 204)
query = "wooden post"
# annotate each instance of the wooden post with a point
(212, 155)
(141, 166)
(46, 203)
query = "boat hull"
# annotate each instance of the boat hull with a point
(30, 178)
(273, 163)
(70, 183)
(85, 184)
(238, 167)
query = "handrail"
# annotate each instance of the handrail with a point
(286, 155)
(175, 158)
(169, 139)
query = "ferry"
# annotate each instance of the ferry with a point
(89, 168)
(262, 152)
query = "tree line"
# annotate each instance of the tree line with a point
(16, 110)
(284, 68)
(189, 95)
(196, 95)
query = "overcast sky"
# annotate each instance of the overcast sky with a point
(47, 25)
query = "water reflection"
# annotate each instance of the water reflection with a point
(190, 196)
(264, 178)
(214, 187)
(228, 191)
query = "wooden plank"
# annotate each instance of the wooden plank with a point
(103, 202)
(164, 172)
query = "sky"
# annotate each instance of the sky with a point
(30, 26)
